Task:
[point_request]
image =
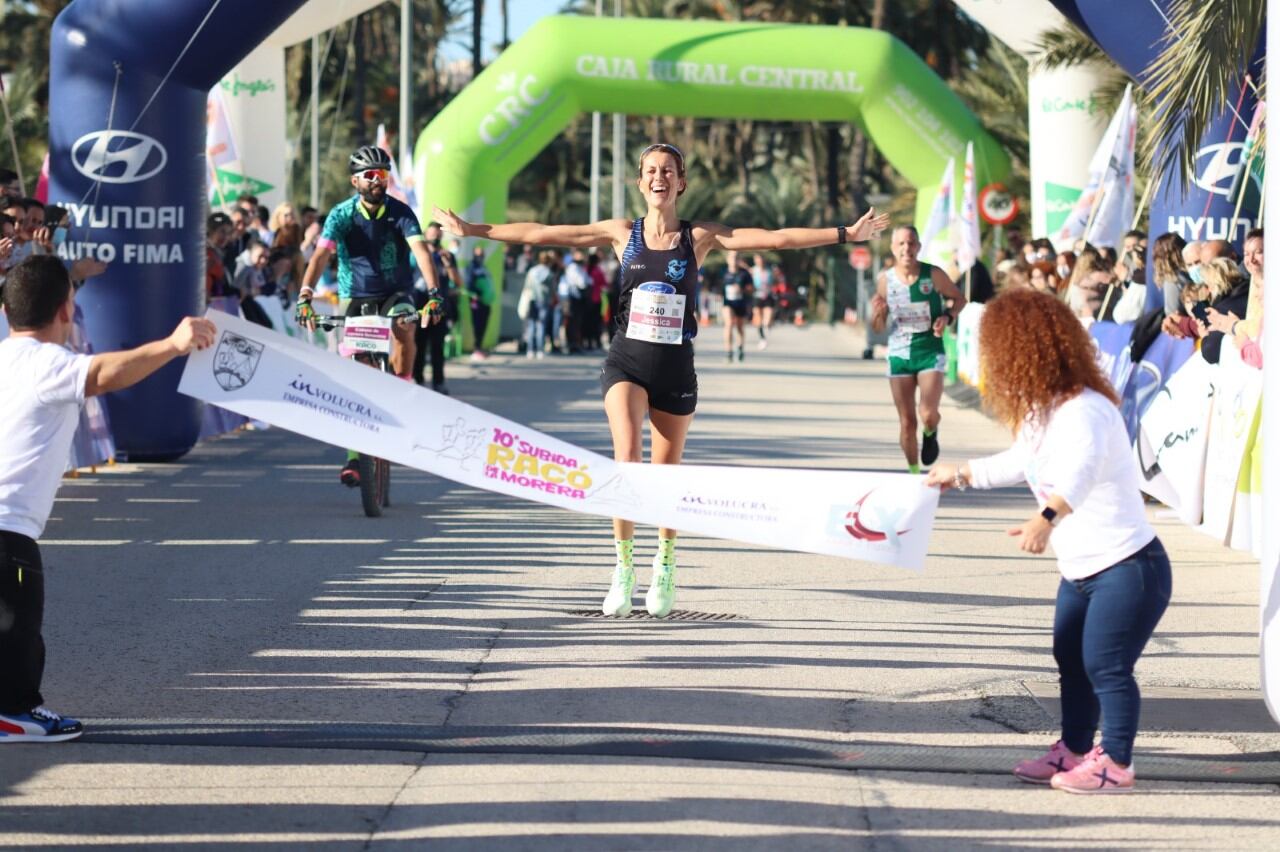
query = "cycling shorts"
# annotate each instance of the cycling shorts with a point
(394, 304)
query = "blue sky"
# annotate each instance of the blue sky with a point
(524, 14)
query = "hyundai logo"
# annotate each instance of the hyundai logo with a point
(1216, 166)
(118, 156)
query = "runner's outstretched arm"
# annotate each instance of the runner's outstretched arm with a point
(711, 235)
(606, 232)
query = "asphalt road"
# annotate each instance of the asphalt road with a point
(259, 664)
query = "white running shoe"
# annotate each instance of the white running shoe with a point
(763, 344)
(662, 589)
(618, 601)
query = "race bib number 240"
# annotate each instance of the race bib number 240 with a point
(657, 314)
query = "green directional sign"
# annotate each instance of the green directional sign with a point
(231, 184)
(1058, 203)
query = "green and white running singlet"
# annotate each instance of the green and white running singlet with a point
(913, 308)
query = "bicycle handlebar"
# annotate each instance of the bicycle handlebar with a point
(329, 323)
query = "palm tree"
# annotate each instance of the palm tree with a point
(477, 29)
(1186, 87)
(24, 53)
(995, 89)
(1204, 57)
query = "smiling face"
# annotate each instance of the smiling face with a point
(905, 245)
(1253, 257)
(661, 178)
(372, 186)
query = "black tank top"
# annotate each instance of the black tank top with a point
(663, 270)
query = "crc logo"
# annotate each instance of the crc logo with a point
(521, 98)
(118, 156)
(1216, 167)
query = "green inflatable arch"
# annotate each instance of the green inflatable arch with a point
(566, 65)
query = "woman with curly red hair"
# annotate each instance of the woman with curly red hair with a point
(1040, 379)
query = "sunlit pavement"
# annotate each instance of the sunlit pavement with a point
(242, 588)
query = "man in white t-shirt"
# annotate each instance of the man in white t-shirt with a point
(43, 384)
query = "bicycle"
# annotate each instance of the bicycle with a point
(372, 344)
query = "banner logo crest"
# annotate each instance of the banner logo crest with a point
(235, 361)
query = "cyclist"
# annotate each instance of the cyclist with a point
(373, 235)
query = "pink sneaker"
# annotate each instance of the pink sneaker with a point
(1097, 773)
(1058, 759)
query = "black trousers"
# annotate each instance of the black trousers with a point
(430, 344)
(21, 620)
(479, 322)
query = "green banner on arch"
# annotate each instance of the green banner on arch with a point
(567, 65)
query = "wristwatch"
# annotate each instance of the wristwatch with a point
(959, 482)
(1048, 514)
(842, 235)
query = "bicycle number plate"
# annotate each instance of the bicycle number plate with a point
(368, 334)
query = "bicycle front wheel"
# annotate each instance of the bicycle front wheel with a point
(370, 489)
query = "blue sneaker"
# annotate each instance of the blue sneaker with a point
(38, 726)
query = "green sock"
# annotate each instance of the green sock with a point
(625, 548)
(667, 551)
(352, 455)
(913, 468)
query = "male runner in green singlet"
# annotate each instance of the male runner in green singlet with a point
(911, 293)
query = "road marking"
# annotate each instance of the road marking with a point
(338, 540)
(201, 542)
(162, 500)
(85, 542)
(75, 499)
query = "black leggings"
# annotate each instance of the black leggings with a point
(21, 620)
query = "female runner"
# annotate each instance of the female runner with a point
(649, 368)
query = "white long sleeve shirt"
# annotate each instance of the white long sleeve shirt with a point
(1081, 454)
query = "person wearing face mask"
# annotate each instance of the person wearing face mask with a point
(480, 293)
(431, 340)
(1066, 262)
(649, 368)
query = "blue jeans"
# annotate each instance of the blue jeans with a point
(534, 328)
(1101, 625)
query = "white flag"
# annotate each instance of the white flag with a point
(1114, 213)
(939, 218)
(964, 229)
(395, 186)
(1108, 158)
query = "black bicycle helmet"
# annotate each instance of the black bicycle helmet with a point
(369, 157)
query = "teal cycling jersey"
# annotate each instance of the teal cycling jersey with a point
(372, 248)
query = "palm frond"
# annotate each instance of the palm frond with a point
(1205, 52)
(1066, 46)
